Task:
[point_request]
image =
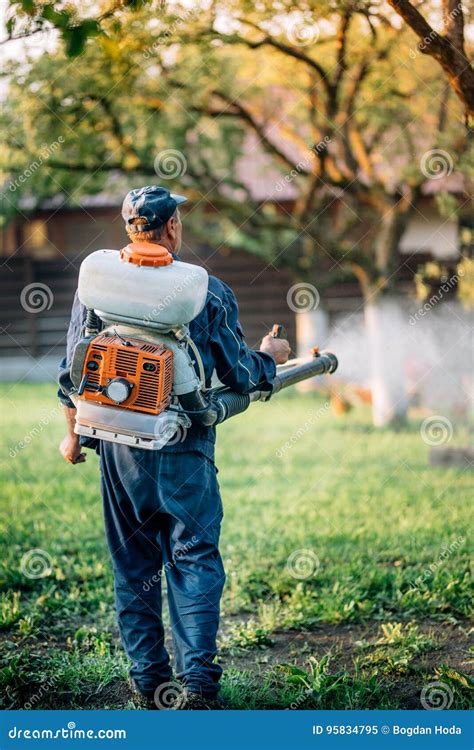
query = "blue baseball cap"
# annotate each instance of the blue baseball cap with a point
(154, 203)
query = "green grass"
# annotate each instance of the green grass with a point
(339, 594)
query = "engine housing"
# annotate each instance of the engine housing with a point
(139, 371)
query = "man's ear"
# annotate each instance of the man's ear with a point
(170, 226)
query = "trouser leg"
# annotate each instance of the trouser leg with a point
(193, 566)
(132, 523)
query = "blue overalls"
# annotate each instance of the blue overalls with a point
(163, 514)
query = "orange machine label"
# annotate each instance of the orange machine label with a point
(145, 372)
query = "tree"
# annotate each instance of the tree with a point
(28, 17)
(335, 105)
(449, 49)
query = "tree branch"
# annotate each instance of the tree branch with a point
(448, 50)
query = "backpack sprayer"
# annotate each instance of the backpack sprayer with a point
(134, 373)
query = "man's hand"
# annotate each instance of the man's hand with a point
(70, 449)
(278, 348)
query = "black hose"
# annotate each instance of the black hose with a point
(222, 403)
(230, 404)
(321, 364)
(200, 409)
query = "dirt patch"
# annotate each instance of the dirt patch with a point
(295, 646)
(451, 647)
(117, 694)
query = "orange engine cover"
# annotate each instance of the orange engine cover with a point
(147, 368)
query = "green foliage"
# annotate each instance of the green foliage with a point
(27, 17)
(288, 687)
(466, 282)
(326, 127)
(247, 636)
(396, 649)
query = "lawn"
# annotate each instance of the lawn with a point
(347, 560)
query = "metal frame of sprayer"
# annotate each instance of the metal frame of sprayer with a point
(204, 407)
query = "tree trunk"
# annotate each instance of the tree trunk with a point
(384, 337)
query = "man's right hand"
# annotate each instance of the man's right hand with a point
(70, 449)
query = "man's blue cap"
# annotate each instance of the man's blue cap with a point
(154, 203)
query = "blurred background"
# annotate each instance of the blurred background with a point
(326, 154)
(326, 149)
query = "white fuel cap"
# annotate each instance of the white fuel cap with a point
(118, 390)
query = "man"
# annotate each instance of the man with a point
(162, 508)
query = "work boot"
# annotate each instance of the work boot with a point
(189, 701)
(145, 701)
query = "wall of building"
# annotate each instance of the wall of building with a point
(39, 277)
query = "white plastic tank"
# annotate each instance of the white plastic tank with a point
(168, 295)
